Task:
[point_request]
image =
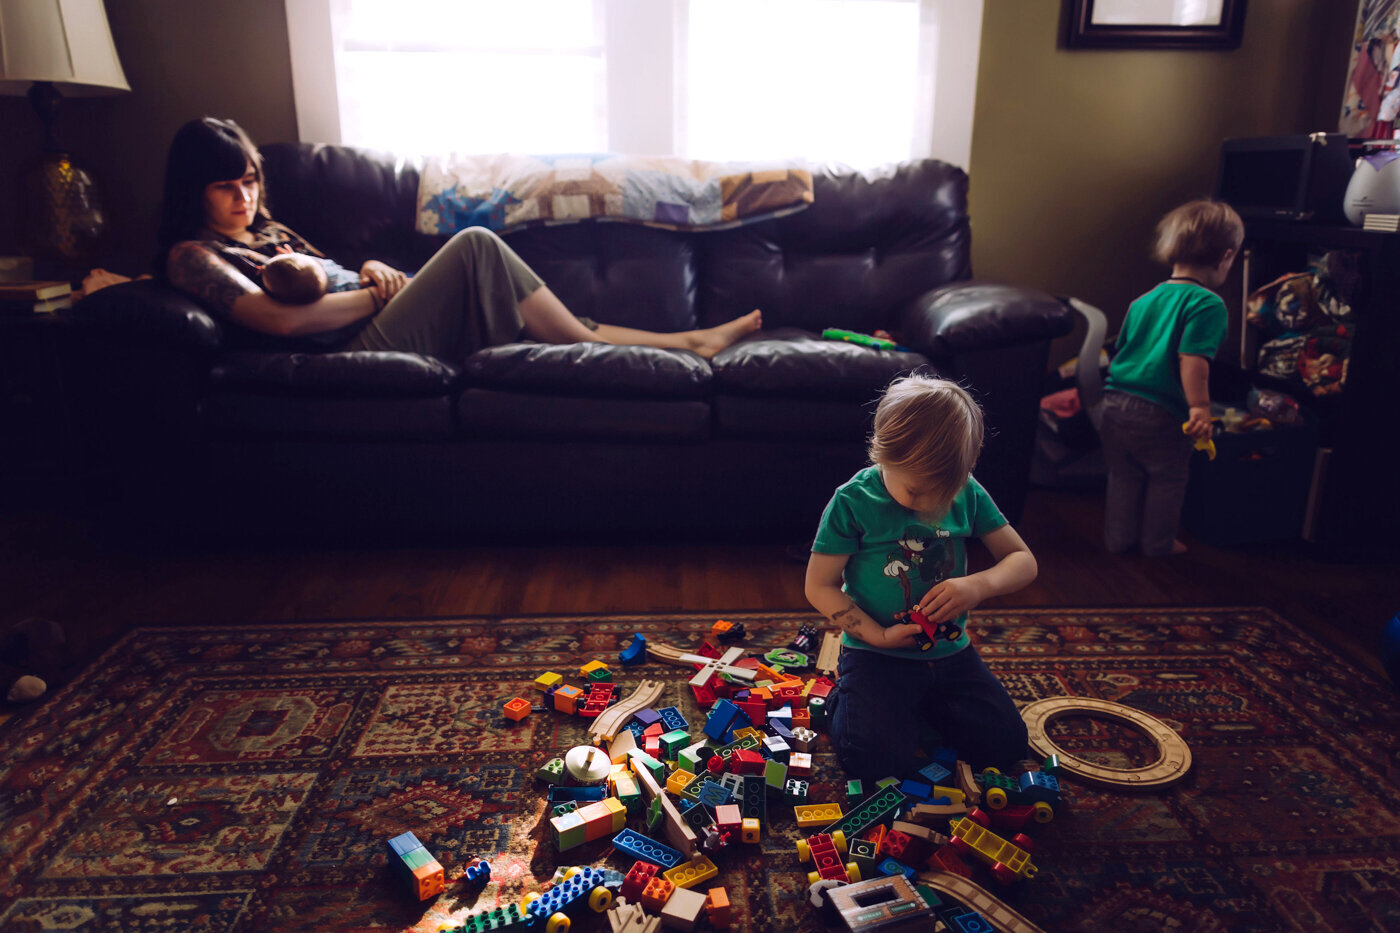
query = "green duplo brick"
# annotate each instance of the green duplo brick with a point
(853, 789)
(569, 831)
(868, 812)
(672, 743)
(551, 771)
(600, 675)
(688, 759)
(775, 776)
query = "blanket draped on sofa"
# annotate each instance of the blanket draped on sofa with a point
(504, 192)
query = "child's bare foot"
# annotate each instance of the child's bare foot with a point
(1178, 547)
(710, 341)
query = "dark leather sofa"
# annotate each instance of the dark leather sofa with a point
(202, 433)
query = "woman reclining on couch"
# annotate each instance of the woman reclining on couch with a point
(474, 292)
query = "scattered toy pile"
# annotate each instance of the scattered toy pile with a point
(879, 862)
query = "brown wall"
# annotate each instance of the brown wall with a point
(183, 59)
(1076, 154)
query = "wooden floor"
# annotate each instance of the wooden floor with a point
(57, 568)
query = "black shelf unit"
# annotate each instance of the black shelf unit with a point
(1354, 502)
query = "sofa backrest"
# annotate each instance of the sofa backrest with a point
(870, 242)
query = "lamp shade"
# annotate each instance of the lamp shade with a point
(65, 42)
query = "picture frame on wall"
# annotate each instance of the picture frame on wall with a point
(1154, 24)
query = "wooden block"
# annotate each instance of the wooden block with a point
(683, 909)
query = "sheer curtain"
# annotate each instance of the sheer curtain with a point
(854, 81)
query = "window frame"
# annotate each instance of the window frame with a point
(641, 79)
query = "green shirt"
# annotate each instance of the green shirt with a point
(1174, 318)
(896, 556)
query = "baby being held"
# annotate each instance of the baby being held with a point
(294, 278)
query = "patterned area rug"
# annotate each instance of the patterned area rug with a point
(246, 779)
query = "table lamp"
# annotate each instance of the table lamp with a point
(45, 45)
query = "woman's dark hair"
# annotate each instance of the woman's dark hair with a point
(202, 152)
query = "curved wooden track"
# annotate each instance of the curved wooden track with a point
(606, 723)
(971, 894)
(1174, 754)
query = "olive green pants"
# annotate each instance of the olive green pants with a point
(466, 297)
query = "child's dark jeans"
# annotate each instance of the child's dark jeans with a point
(1149, 462)
(883, 703)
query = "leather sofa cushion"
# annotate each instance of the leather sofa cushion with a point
(792, 363)
(361, 374)
(870, 243)
(590, 369)
(393, 419)
(509, 415)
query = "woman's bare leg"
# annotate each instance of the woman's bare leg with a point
(706, 342)
(547, 319)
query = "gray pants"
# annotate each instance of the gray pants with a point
(1149, 459)
(466, 297)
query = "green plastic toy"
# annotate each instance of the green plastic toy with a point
(865, 340)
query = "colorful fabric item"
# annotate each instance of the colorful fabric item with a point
(1308, 318)
(504, 192)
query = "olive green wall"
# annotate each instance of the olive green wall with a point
(183, 59)
(1076, 154)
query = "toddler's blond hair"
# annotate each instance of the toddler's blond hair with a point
(931, 428)
(1198, 233)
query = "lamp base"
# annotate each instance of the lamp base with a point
(64, 219)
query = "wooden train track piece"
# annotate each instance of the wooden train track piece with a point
(606, 723)
(1173, 761)
(973, 895)
(829, 654)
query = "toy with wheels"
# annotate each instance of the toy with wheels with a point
(551, 909)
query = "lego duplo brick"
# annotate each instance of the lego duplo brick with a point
(753, 797)
(688, 874)
(646, 849)
(816, 814)
(636, 879)
(672, 719)
(868, 812)
(672, 742)
(568, 830)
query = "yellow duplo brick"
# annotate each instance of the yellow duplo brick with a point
(956, 797)
(749, 829)
(750, 730)
(677, 781)
(817, 814)
(590, 667)
(548, 679)
(689, 874)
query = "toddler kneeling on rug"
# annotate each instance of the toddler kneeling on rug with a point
(889, 550)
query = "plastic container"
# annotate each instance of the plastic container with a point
(1256, 488)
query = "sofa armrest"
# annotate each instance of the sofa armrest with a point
(964, 316)
(146, 312)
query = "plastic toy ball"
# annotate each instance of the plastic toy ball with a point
(1390, 651)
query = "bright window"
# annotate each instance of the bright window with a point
(855, 81)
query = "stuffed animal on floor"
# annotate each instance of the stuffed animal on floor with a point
(32, 656)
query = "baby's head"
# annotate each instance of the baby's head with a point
(294, 278)
(1199, 233)
(928, 433)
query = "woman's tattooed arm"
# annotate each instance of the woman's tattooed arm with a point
(202, 274)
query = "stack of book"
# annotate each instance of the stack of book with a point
(1383, 223)
(34, 297)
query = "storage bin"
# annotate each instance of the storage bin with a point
(1256, 488)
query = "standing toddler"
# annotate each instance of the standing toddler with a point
(1157, 396)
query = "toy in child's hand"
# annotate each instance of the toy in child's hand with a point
(1201, 443)
(864, 340)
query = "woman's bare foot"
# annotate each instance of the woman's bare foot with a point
(1178, 547)
(710, 341)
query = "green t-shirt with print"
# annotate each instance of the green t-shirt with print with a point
(896, 556)
(1174, 318)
